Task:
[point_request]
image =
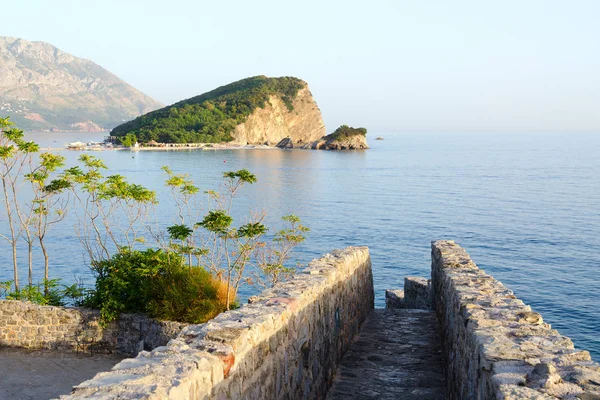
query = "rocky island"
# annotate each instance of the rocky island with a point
(44, 88)
(343, 138)
(256, 110)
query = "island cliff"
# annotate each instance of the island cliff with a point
(270, 124)
(256, 110)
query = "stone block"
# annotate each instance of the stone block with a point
(417, 293)
(394, 298)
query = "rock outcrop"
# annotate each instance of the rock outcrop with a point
(330, 143)
(273, 123)
(344, 138)
(44, 88)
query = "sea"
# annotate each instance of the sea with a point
(526, 206)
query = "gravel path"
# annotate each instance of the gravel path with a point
(42, 374)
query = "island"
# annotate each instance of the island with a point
(343, 138)
(252, 111)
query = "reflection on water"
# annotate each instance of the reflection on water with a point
(527, 208)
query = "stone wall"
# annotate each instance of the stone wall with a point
(28, 325)
(285, 344)
(415, 295)
(394, 298)
(495, 346)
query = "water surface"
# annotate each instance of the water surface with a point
(525, 206)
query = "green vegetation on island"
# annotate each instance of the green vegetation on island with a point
(345, 132)
(210, 117)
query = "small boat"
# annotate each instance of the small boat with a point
(378, 138)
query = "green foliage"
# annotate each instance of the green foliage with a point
(242, 176)
(210, 117)
(251, 230)
(111, 211)
(344, 132)
(153, 282)
(273, 257)
(179, 232)
(5, 287)
(216, 221)
(49, 293)
(185, 295)
(122, 282)
(128, 140)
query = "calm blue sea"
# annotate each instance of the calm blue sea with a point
(525, 206)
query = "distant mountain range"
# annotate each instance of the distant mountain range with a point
(44, 88)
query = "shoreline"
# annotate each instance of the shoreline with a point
(178, 148)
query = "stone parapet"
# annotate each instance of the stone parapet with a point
(417, 293)
(28, 325)
(286, 344)
(495, 346)
(394, 298)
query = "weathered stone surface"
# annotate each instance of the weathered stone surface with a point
(495, 346)
(395, 298)
(274, 122)
(286, 344)
(417, 293)
(28, 325)
(397, 355)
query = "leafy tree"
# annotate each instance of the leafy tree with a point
(273, 256)
(15, 155)
(48, 207)
(111, 211)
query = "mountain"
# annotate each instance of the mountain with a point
(44, 88)
(254, 110)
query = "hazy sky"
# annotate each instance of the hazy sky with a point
(387, 65)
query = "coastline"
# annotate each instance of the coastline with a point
(207, 147)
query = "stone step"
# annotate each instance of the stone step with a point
(397, 355)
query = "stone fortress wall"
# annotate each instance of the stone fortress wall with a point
(31, 326)
(495, 346)
(286, 343)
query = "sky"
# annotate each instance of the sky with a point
(390, 66)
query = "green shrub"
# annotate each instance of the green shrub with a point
(185, 294)
(156, 283)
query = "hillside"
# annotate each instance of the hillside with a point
(254, 110)
(44, 88)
